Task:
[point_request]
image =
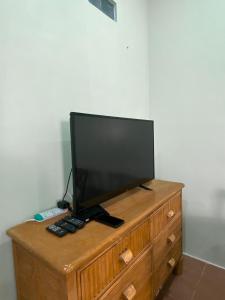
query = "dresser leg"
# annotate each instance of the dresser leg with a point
(179, 267)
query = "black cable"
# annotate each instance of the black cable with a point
(68, 181)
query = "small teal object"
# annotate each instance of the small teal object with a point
(38, 217)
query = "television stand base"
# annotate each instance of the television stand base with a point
(145, 187)
(91, 213)
(99, 214)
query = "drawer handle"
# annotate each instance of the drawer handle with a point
(171, 214)
(171, 239)
(129, 293)
(126, 256)
(172, 262)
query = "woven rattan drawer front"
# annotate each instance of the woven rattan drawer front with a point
(166, 214)
(100, 272)
(167, 266)
(135, 283)
(166, 240)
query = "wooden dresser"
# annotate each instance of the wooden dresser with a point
(99, 262)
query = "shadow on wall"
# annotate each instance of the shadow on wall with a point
(7, 285)
(66, 153)
(208, 233)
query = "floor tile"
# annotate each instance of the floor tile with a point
(180, 290)
(212, 284)
(199, 281)
(192, 270)
(183, 286)
(167, 297)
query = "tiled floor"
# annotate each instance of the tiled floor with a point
(199, 281)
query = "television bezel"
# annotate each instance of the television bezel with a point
(94, 202)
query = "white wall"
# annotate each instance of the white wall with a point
(56, 57)
(187, 84)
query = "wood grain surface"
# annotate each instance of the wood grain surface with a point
(131, 262)
(76, 249)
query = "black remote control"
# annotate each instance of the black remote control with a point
(57, 230)
(74, 221)
(69, 227)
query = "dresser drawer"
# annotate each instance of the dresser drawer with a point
(159, 219)
(100, 272)
(166, 240)
(174, 207)
(135, 283)
(166, 267)
(165, 214)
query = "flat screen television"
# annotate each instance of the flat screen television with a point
(109, 156)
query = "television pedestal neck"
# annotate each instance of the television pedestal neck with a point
(145, 187)
(91, 213)
(99, 214)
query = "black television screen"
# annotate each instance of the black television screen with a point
(109, 156)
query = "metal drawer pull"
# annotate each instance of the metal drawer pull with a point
(126, 256)
(171, 214)
(171, 239)
(172, 262)
(129, 293)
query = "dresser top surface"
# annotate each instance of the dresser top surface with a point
(70, 252)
